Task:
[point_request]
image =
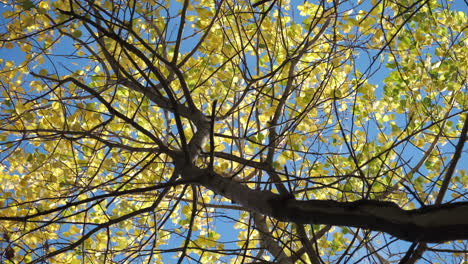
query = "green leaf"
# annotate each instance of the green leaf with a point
(27, 5)
(77, 33)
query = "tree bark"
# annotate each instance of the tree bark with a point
(430, 224)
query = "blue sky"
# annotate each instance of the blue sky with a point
(231, 235)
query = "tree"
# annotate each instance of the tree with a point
(233, 131)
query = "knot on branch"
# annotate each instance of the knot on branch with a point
(199, 139)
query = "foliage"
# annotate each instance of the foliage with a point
(152, 131)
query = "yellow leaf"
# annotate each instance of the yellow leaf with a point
(204, 13)
(9, 45)
(43, 72)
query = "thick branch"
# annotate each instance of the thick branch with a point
(435, 223)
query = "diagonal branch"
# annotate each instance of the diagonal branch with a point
(414, 255)
(268, 242)
(110, 108)
(454, 161)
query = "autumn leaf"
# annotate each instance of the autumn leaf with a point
(233, 131)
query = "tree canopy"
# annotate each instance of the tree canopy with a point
(233, 131)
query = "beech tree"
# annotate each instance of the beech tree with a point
(233, 131)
